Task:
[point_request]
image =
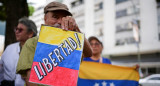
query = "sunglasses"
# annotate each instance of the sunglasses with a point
(96, 44)
(19, 30)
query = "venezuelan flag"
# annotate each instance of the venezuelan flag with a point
(57, 57)
(99, 74)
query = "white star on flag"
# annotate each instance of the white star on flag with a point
(96, 84)
(112, 84)
(104, 83)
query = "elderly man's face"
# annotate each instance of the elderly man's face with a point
(54, 18)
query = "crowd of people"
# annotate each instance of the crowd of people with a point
(16, 61)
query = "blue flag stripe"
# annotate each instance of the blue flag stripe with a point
(88, 82)
(71, 61)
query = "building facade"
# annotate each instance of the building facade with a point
(112, 21)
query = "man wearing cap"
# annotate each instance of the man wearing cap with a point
(25, 29)
(57, 15)
(97, 48)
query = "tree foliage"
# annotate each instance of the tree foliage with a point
(31, 10)
(11, 11)
(2, 13)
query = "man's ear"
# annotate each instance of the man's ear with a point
(30, 34)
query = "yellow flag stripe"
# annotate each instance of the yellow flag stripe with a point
(56, 36)
(100, 71)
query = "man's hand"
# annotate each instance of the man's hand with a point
(27, 79)
(69, 23)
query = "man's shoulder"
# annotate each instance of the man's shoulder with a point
(32, 41)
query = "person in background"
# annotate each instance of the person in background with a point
(25, 29)
(97, 48)
(57, 15)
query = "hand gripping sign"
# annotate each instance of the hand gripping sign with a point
(57, 57)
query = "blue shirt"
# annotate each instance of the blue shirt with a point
(104, 60)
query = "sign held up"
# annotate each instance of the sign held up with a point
(58, 54)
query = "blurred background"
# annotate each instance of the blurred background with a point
(129, 29)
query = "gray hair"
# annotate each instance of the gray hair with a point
(31, 27)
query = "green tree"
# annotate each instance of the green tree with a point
(31, 10)
(2, 13)
(11, 11)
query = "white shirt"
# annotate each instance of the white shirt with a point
(9, 61)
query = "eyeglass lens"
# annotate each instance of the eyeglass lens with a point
(18, 29)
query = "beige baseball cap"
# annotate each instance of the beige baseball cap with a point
(94, 38)
(55, 6)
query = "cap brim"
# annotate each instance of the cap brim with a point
(93, 38)
(57, 9)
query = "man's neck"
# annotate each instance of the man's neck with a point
(21, 43)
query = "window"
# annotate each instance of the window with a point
(155, 78)
(119, 42)
(76, 3)
(99, 6)
(132, 10)
(124, 41)
(126, 26)
(130, 40)
(152, 70)
(123, 27)
(73, 4)
(158, 3)
(158, 13)
(120, 1)
(121, 13)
